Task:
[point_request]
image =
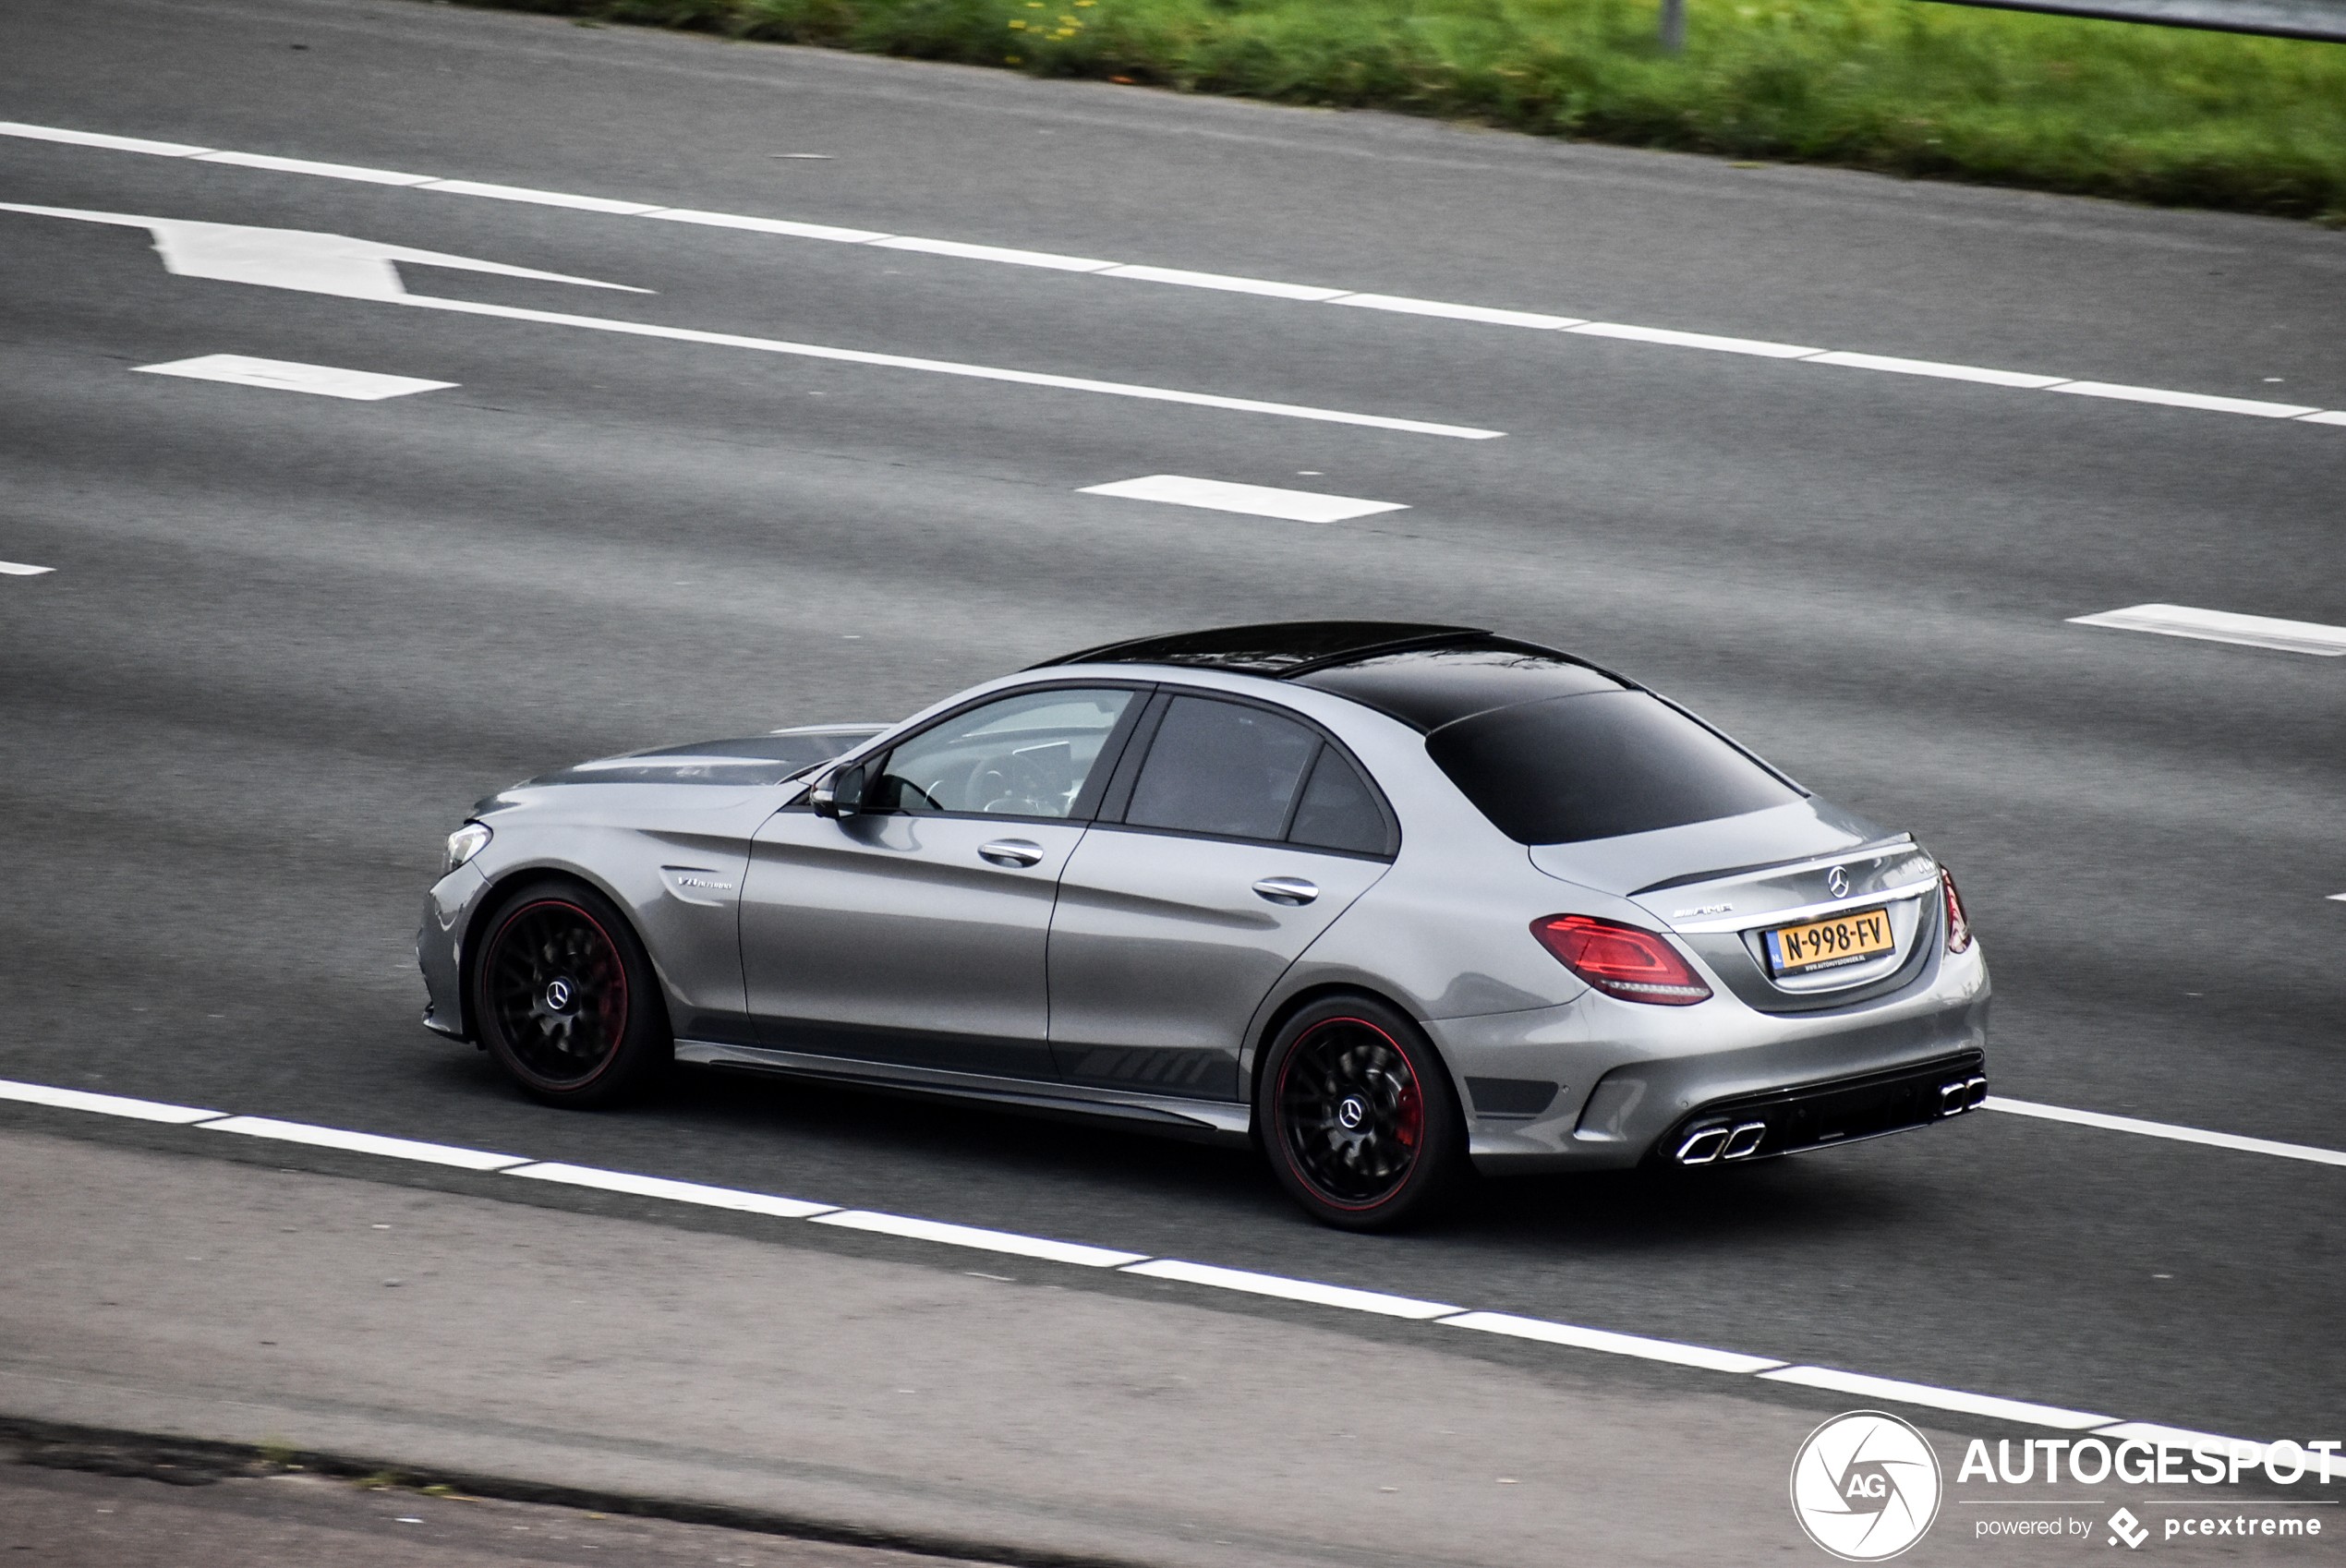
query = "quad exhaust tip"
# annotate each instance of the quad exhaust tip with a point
(1709, 1144)
(1961, 1094)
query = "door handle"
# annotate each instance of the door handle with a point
(1286, 889)
(1012, 851)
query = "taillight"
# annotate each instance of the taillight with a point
(1958, 923)
(1621, 960)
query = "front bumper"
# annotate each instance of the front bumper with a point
(439, 951)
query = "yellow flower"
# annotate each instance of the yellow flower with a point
(1018, 24)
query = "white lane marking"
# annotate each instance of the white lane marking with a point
(307, 166)
(1496, 318)
(985, 1240)
(2334, 897)
(2168, 1130)
(1611, 1344)
(365, 1143)
(2223, 626)
(2248, 406)
(104, 1104)
(1763, 349)
(1938, 1398)
(1255, 501)
(292, 259)
(320, 263)
(673, 1191)
(1292, 1290)
(1264, 286)
(98, 139)
(543, 198)
(2020, 378)
(1599, 1340)
(948, 368)
(19, 569)
(286, 375)
(992, 253)
(766, 226)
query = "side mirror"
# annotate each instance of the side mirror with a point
(840, 793)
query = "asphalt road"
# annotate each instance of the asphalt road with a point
(289, 638)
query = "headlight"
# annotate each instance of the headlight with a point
(463, 844)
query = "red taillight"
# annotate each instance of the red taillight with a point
(1958, 923)
(1621, 960)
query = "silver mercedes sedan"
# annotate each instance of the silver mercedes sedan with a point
(1388, 899)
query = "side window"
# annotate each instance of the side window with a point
(1222, 768)
(1026, 756)
(1338, 811)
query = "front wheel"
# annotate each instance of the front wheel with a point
(566, 1000)
(1357, 1116)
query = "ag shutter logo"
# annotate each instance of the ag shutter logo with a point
(1865, 1485)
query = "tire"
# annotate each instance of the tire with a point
(566, 999)
(1358, 1114)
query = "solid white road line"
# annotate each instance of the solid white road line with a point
(19, 569)
(2223, 626)
(985, 1240)
(1939, 1398)
(365, 1143)
(105, 1104)
(2168, 1130)
(1293, 1290)
(2334, 897)
(1340, 1296)
(1262, 287)
(286, 375)
(1255, 501)
(948, 368)
(673, 1191)
(1611, 1344)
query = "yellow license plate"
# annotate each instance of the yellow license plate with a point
(1827, 944)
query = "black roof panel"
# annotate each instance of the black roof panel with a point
(1428, 687)
(1282, 649)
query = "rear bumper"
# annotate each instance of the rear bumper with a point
(1816, 1116)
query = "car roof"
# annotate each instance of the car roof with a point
(1424, 675)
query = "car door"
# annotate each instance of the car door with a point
(1238, 835)
(915, 932)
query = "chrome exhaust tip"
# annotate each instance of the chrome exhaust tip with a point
(1743, 1141)
(1701, 1148)
(1961, 1094)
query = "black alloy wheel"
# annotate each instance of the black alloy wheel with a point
(1361, 1125)
(565, 1000)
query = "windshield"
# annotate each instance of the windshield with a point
(1598, 766)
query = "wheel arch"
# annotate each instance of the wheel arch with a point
(1259, 1045)
(493, 897)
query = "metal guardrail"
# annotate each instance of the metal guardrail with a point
(2322, 20)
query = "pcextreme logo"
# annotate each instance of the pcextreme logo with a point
(1865, 1485)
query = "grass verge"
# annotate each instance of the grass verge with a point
(2155, 115)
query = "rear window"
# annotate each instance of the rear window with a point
(1597, 767)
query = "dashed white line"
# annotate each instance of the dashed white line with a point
(1254, 501)
(1265, 287)
(984, 1240)
(1939, 1398)
(1343, 1298)
(1287, 1290)
(20, 569)
(2169, 1131)
(671, 1191)
(2223, 626)
(1610, 1343)
(286, 375)
(364, 1143)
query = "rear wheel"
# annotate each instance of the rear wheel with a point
(1357, 1116)
(566, 1000)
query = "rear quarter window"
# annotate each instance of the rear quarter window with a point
(1597, 767)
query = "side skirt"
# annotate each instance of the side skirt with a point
(1216, 1121)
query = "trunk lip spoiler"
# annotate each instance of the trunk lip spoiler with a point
(1876, 850)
